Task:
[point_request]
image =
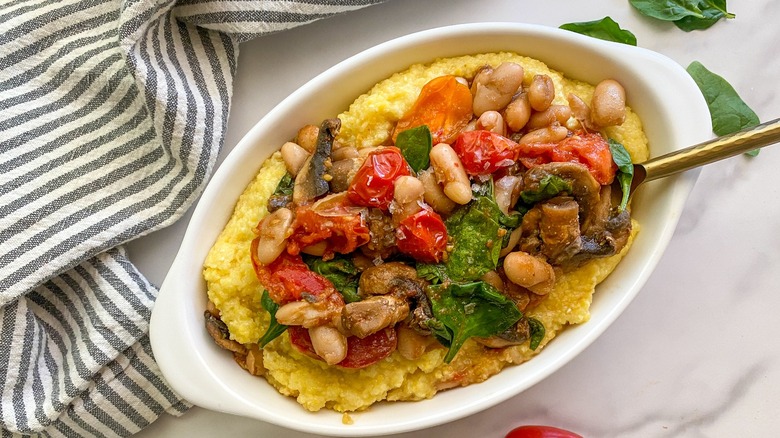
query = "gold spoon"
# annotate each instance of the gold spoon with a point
(708, 152)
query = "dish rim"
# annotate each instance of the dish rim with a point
(175, 305)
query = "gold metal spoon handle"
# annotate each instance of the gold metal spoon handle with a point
(708, 152)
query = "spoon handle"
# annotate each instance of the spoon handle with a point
(708, 152)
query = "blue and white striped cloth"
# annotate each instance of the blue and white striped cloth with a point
(112, 113)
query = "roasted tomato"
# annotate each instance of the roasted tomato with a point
(484, 152)
(288, 277)
(372, 185)
(343, 231)
(422, 236)
(588, 149)
(360, 352)
(444, 105)
(540, 432)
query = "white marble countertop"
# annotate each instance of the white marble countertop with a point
(695, 353)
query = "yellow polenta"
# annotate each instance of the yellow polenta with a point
(234, 289)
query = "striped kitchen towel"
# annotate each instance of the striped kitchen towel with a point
(112, 113)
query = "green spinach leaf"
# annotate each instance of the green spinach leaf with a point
(713, 11)
(537, 333)
(274, 328)
(340, 271)
(729, 113)
(415, 145)
(625, 174)
(469, 309)
(434, 273)
(282, 195)
(550, 186)
(476, 239)
(605, 29)
(668, 10)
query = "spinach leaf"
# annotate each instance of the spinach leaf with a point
(415, 145)
(274, 328)
(476, 239)
(605, 29)
(625, 169)
(282, 194)
(537, 333)
(469, 309)
(340, 271)
(713, 11)
(729, 113)
(549, 187)
(435, 274)
(668, 10)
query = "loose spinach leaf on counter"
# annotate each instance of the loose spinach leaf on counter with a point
(274, 328)
(469, 309)
(537, 333)
(605, 29)
(713, 11)
(415, 145)
(729, 113)
(688, 15)
(625, 174)
(340, 271)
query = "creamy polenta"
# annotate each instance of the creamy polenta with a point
(235, 290)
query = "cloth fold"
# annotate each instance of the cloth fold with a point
(112, 114)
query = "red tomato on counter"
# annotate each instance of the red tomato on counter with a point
(422, 236)
(372, 185)
(540, 432)
(484, 152)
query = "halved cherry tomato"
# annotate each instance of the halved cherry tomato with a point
(288, 277)
(343, 233)
(372, 185)
(444, 105)
(360, 352)
(540, 432)
(484, 152)
(422, 236)
(589, 149)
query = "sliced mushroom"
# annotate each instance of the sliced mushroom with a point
(221, 335)
(363, 318)
(584, 187)
(310, 181)
(387, 278)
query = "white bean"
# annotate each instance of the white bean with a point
(550, 134)
(493, 88)
(529, 272)
(507, 192)
(411, 344)
(304, 313)
(328, 343)
(307, 137)
(450, 173)
(608, 106)
(272, 237)
(553, 114)
(518, 112)
(434, 194)
(492, 121)
(541, 92)
(294, 157)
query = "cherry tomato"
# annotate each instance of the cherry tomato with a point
(360, 352)
(540, 432)
(588, 149)
(342, 232)
(372, 185)
(288, 277)
(444, 105)
(484, 152)
(422, 236)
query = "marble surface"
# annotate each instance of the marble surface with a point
(695, 353)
